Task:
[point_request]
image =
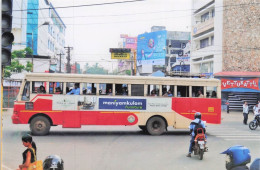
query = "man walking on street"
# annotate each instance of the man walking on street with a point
(245, 112)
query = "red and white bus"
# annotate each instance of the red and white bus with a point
(152, 103)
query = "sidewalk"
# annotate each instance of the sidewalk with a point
(235, 116)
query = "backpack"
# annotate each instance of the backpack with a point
(198, 129)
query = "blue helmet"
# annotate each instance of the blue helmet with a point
(197, 115)
(255, 164)
(236, 156)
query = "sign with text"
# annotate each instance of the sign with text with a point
(122, 104)
(249, 83)
(120, 56)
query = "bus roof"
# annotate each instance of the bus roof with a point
(120, 79)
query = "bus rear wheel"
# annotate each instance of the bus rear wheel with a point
(156, 126)
(40, 126)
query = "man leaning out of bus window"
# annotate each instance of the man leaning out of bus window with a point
(76, 90)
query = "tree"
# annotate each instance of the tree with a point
(95, 69)
(15, 65)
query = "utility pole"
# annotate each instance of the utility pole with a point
(60, 61)
(68, 59)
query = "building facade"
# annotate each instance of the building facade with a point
(241, 35)
(40, 28)
(206, 39)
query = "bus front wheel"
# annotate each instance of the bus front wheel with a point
(40, 126)
(156, 126)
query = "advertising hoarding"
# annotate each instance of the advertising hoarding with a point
(151, 48)
(131, 42)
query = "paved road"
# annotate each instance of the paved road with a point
(112, 147)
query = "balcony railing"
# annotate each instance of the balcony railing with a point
(203, 26)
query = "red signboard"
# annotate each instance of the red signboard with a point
(250, 83)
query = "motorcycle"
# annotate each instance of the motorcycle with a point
(199, 146)
(254, 123)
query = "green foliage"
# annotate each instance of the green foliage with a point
(95, 69)
(128, 72)
(15, 65)
(28, 51)
(7, 73)
(28, 66)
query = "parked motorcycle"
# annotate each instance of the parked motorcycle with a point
(254, 123)
(200, 144)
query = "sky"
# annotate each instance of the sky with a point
(92, 30)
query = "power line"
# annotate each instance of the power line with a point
(130, 14)
(77, 6)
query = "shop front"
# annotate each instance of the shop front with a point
(238, 87)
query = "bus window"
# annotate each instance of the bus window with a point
(211, 92)
(167, 90)
(38, 87)
(55, 88)
(89, 88)
(137, 90)
(73, 88)
(121, 89)
(26, 92)
(197, 91)
(152, 90)
(182, 91)
(105, 89)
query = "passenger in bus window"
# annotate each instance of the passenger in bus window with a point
(200, 95)
(213, 94)
(169, 93)
(58, 90)
(76, 90)
(124, 93)
(153, 93)
(42, 89)
(109, 92)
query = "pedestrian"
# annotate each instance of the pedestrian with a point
(245, 112)
(227, 103)
(29, 155)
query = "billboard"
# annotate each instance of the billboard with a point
(131, 42)
(151, 48)
(120, 56)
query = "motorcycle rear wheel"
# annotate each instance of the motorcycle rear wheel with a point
(201, 154)
(253, 125)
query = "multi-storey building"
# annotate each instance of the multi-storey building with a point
(37, 24)
(206, 39)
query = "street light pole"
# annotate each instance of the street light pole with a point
(45, 23)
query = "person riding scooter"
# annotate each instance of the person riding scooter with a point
(197, 121)
(237, 157)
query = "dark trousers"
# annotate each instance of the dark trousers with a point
(191, 143)
(245, 118)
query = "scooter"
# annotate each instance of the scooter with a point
(200, 144)
(254, 123)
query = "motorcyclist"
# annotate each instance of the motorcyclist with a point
(53, 162)
(237, 157)
(197, 120)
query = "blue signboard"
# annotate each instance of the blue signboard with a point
(151, 48)
(122, 104)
